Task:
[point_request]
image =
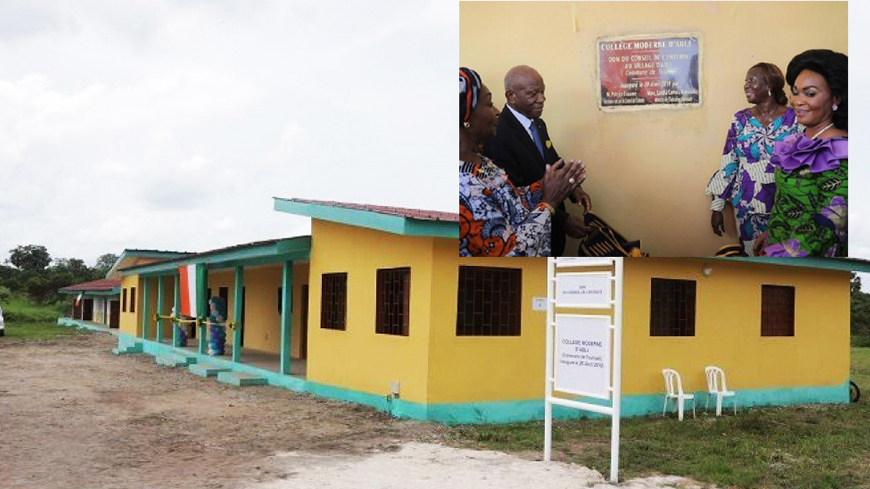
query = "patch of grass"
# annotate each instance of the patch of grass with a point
(777, 447)
(20, 309)
(38, 331)
(861, 371)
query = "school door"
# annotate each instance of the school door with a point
(88, 310)
(114, 314)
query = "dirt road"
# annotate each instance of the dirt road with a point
(74, 415)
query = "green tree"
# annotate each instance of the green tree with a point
(29, 258)
(105, 263)
(74, 268)
(10, 277)
(860, 311)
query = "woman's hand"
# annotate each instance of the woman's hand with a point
(560, 180)
(583, 198)
(718, 222)
(760, 244)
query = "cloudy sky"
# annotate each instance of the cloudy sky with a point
(171, 124)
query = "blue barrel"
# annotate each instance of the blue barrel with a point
(181, 335)
(217, 340)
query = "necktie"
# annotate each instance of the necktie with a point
(537, 138)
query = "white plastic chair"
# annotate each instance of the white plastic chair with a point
(716, 387)
(674, 386)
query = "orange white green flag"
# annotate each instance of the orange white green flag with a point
(190, 278)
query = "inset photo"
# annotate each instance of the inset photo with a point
(665, 129)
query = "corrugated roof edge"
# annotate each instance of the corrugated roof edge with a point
(217, 251)
(396, 220)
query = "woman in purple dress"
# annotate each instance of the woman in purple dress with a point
(810, 213)
(746, 177)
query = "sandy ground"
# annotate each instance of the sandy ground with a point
(74, 415)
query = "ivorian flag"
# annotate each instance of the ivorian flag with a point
(190, 278)
(79, 298)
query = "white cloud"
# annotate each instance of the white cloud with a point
(171, 125)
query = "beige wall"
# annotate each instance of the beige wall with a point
(129, 320)
(262, 316)
(647, 169)
(358, 358)
(485, 368)
(728, 327)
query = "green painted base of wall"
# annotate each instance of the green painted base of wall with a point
(503, 411)
(77, 323)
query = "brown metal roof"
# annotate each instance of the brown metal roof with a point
(104, 285)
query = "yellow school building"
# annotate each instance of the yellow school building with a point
(375, 307)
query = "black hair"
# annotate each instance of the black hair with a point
(834, 67)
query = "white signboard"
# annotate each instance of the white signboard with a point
(590, 290)
(573, 261)
(582, 355)
(585, 351)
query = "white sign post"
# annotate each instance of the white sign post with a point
(584, 352)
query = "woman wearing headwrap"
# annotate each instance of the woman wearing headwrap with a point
(746, 177)
(809, 216)
(495, 217)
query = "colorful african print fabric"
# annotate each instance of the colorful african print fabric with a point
(746, 177)
(810, 214)
(498, 219)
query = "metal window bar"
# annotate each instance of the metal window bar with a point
(393, 301)
(334, 301)
(489, 301)
(672, 307)
(777, 310)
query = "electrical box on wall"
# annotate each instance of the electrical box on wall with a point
(539, 303)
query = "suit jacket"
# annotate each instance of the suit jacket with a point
(513, 150)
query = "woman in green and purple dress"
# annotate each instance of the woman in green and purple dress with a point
(810, 211)
(745, 178)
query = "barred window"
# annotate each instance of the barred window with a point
(333, 301)
(490, 301)
(777, 310)
(132, 299)
(393, 300)
(124, 300)
(672, 307)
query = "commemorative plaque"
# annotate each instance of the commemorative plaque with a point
(649, 72)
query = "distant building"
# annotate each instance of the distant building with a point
(99, 301)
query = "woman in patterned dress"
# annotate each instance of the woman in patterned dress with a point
(746, 177)
(495, 217)
(809, 216)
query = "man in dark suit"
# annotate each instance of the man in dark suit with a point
(522, 147)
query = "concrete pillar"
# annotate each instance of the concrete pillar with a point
(237, 313)
(159, 311)
(201, 289)
(177, 304)
(144, 311)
